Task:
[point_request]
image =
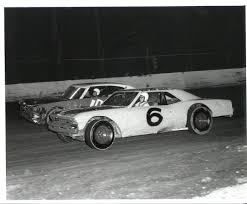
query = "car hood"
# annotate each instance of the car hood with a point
(43, 100)
(73, 112)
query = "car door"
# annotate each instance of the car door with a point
(90, 100)
(143, 120)
(173, 113)
(160, 116)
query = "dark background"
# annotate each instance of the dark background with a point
(50, 44)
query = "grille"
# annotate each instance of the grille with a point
(25, 108)
(26, 111)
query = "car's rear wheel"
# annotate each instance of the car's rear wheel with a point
(99, 135)
(199, 120)
(64, 138)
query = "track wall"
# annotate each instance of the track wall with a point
(183, 80)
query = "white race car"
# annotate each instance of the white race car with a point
(119, 116)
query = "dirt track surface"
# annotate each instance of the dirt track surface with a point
(170, 165)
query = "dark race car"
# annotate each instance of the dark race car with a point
(75, 96)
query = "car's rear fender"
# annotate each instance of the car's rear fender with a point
(219, 107)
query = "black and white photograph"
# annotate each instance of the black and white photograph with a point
(125, 102)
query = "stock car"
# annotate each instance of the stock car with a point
(167, 110)
(75, 96)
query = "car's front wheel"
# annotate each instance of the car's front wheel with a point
(99, 135)
(199, 120)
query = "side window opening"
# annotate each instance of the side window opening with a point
(102, 90)
(170, 99)
(105, 91)
(154, 98)
(110, 90)
(89, 93)
(163, 99)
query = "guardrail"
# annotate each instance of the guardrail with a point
(183, 80)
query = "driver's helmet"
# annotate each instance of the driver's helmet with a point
(145, 95)
(97, 91)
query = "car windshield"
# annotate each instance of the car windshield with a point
(69, 92)
(120, 99)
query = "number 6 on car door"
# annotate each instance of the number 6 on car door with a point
(152, 112)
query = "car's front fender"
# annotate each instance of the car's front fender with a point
(116, 128)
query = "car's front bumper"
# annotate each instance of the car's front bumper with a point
(61, 128)
(31, 116)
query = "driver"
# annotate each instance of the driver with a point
(142, 100)
(96, 92)
(95, 100)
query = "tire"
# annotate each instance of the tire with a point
(53, 111)
(99, 135)
(65, 139)
(199, 119)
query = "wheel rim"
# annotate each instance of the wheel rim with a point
(103, 135)
(202, 120)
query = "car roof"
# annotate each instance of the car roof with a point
(147, 89)
(179, 93)
(100, 84)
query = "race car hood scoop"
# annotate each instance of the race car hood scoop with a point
(88, 109)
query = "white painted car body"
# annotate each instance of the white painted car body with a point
(131, 121)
